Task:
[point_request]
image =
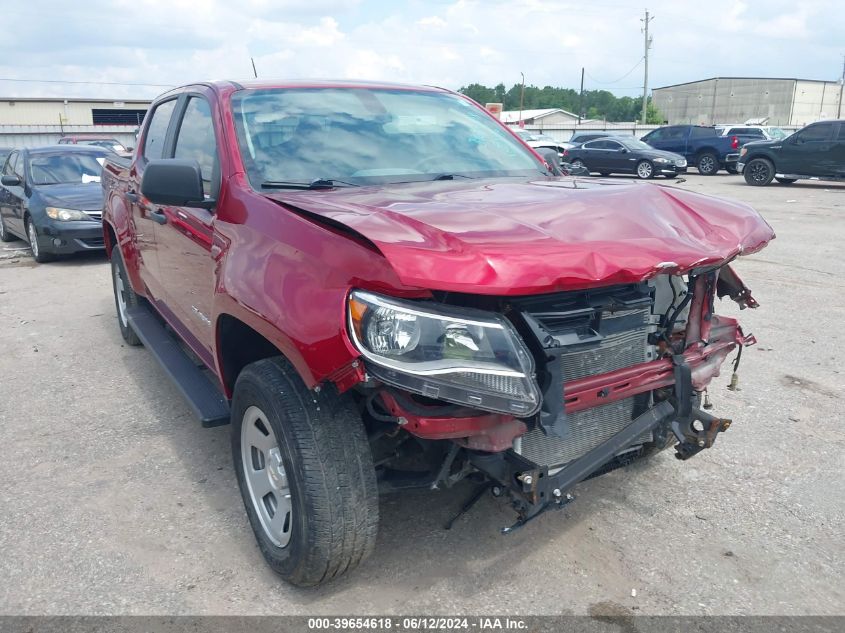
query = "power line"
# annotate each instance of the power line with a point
(622, 77)
(91, 83)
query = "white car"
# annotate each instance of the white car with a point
(543, 141)
(752, 132)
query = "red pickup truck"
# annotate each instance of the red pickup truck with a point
(380, 287)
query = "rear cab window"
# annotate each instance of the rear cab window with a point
(157, 130)
(702, 132)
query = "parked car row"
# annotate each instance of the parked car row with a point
(761, 153)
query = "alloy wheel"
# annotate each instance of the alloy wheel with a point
(33, 238)
(644, 170)
(759, 171)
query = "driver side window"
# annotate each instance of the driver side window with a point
(815, 133)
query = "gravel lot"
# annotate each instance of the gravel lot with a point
(115, 501)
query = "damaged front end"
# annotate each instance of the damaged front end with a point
(535, 394)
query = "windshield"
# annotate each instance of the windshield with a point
(633, 143)
(55, 169)
(108, 143)
(362, 136)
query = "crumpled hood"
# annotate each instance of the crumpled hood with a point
(510, 237)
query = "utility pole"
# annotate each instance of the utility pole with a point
(647, 46)
(521, 99)
(841, 89)
(254, 72)
(581, 98)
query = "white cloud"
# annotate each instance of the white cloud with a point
(452, 43)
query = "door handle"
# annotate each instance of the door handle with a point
(158, 217)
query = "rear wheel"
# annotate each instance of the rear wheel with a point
(124, 297)
(645, 170)
(5, 236)
(731, 169)
(707, 164)
(759, 172)
(786, 181)
(305, 472)
(579, 163)
(671, 176)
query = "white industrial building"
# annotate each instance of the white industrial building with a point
(29, 122)
(538, 119)
(787, 102)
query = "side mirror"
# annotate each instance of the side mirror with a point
(623, 150)
(174, 182)
(11, 181)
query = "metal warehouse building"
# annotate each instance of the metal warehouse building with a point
(41, 121)
(791, 102)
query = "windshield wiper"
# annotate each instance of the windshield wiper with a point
(317, 183)
(451, 177)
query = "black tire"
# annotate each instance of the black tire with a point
(670, 176)
(731, 169)
(5, 236)
(644, 170)
(604, 173)
(786, 181)
(759, 172)
(707, 164)
(328, 468)
(37, 254)
(130, 299)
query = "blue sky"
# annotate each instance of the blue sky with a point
(444, 42)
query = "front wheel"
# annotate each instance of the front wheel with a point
(305, 473)
(708, 164)
(759, 172)
(786, 181)
(645, 170)
(37, 254)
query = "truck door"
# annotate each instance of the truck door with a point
(183, 241)
(145, 214)
(10, 196)
(809, 152)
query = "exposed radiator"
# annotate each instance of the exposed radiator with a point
(622, 342)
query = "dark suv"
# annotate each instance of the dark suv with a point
(816, 151)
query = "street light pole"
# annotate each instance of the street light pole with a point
(521, 99)
(645, 78)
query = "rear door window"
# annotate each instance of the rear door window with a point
(702, 132)
(157, 130)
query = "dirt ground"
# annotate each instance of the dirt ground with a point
(115, 501)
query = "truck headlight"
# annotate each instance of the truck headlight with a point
(743, 151)
(66, 215)
(459, 355)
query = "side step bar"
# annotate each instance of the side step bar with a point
(206, 401)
